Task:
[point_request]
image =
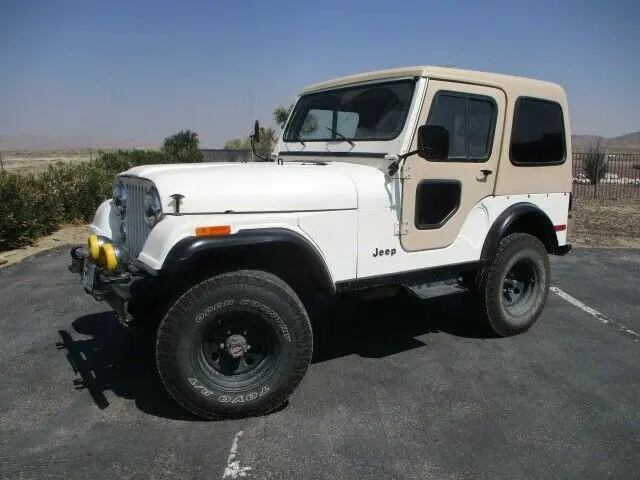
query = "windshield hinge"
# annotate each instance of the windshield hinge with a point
(400, 228)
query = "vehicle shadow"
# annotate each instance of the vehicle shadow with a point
(108, 356)
(383, 327)
(120, 359)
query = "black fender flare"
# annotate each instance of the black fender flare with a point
(190, 248)
(510, 215)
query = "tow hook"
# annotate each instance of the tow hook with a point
(77, 259)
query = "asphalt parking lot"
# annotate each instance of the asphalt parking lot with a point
(398, 389)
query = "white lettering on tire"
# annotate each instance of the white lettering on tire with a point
(213, 308)
(263, 308)
(201, 388)
(243, 398)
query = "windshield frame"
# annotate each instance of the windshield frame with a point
(287, 136)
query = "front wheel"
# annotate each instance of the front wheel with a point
(513, 288)
(237, 344)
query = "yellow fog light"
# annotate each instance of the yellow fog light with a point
(108, 258)
(94, 247)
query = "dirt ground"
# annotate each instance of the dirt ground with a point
(605, 223)
(70, 234)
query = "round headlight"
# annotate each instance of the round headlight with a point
(120, 198)
(152, 207)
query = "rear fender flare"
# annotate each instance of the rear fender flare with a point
(507, 219)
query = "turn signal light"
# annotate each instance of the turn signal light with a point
(215, 231)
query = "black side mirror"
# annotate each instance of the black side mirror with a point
(256, 131)
(433, 142)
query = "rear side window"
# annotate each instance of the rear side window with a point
(538, 136)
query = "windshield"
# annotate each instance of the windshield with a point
(368, 112)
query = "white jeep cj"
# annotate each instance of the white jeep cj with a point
(430, 179)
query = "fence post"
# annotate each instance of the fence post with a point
(597, 179)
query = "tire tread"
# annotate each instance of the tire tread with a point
(169, 327)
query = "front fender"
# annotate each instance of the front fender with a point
(172, 243)
(190, 249)
(105, 221)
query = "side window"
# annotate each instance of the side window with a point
(470, 121)
(538, 136)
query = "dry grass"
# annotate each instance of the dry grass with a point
(605, 223)
(33, 162)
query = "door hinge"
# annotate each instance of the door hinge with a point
(404, 173)
(400, 228)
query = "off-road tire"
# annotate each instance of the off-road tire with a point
(229, 298)
(522, 251)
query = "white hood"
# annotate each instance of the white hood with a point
(260, 187)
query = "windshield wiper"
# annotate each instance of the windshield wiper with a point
(335, 132)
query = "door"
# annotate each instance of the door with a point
(438, 195)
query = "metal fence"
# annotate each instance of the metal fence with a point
(616, 176)
(226, 155)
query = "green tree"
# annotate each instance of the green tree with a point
(183, 147)
(281, 114)
(264, 147)
(268, 139)
(595, 164)
(238, 144)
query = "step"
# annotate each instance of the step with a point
(435, 289)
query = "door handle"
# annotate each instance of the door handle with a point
(486, 172)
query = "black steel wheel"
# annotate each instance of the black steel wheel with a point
(520, 287)
(234, 345)
(239, 346)
(513, 287)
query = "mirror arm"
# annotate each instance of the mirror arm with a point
(396, 159)
(253, 149)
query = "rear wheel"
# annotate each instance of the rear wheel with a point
(513, 288)
(234, 345)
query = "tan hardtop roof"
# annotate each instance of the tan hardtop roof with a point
(508, 83)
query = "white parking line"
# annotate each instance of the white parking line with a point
(574, 301)
(233, 468)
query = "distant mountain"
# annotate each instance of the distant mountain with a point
(627, 142)
(72, 142)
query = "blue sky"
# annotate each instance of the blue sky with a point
(142, 70)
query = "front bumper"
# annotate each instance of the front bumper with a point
(115, 289)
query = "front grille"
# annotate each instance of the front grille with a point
(137, 230)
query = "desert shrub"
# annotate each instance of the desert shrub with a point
(37, 204)
(595, 164)
(26, 210)
(183, 147)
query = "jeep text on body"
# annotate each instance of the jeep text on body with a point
(428, 179)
